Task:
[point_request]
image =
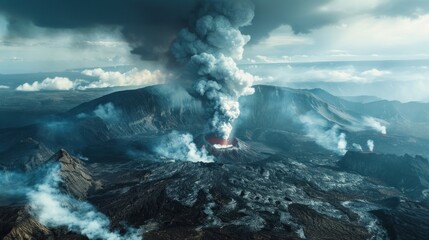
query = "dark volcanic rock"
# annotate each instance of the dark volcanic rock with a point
(76, 178)
(410, 174)
(404, 219)
(319, 226)
(26, 155)
(148, 110)
(26, 227)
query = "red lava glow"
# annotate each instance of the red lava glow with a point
(220, 141)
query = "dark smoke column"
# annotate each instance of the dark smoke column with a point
(209, 48)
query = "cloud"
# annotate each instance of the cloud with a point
(375, 73)
(181, 147)
(150, 26)
(106, 79)
(391, 80)
(134, 77)
(4, 87)
(355, 37)
(56, 83)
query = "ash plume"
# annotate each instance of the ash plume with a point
(370, 144)
(209, 48)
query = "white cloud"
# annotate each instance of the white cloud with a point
(134, 77)
(267, 59)
(351, 7)
(4, 87)
(358, 36)
(57, 83)
(375, 73)
(285, 36)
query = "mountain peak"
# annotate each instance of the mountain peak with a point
(76, 178)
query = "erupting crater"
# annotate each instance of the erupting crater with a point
(220, 143)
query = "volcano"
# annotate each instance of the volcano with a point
(269, 181)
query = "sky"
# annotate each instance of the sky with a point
(46, 36)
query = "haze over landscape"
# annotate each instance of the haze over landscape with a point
(214, 119)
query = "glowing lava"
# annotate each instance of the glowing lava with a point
(220, 143)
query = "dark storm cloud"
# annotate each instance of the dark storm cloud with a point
(302, 16)
(149, 26)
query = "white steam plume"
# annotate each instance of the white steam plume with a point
(107, 112)
(209, 48)
(329, 138)
(55, 209)
(374, 124)
(357, 147)
(371, 145)
(181, 147)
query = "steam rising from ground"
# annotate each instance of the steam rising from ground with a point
(371, 145)
(374, 124)
(328, 137)
(357, 147)
(181, 147)
(55, 209)
(107, 112)
(209, 48)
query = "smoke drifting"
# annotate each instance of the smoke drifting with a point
(209, 48)
(107, 112)
(370, 144)
(357, 147)
(55, 209)
(374, 124)
(181, 147)
(328, 137)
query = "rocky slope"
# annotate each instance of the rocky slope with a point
(276, 183)
(408, 174)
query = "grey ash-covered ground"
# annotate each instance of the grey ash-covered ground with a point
(277, 183)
